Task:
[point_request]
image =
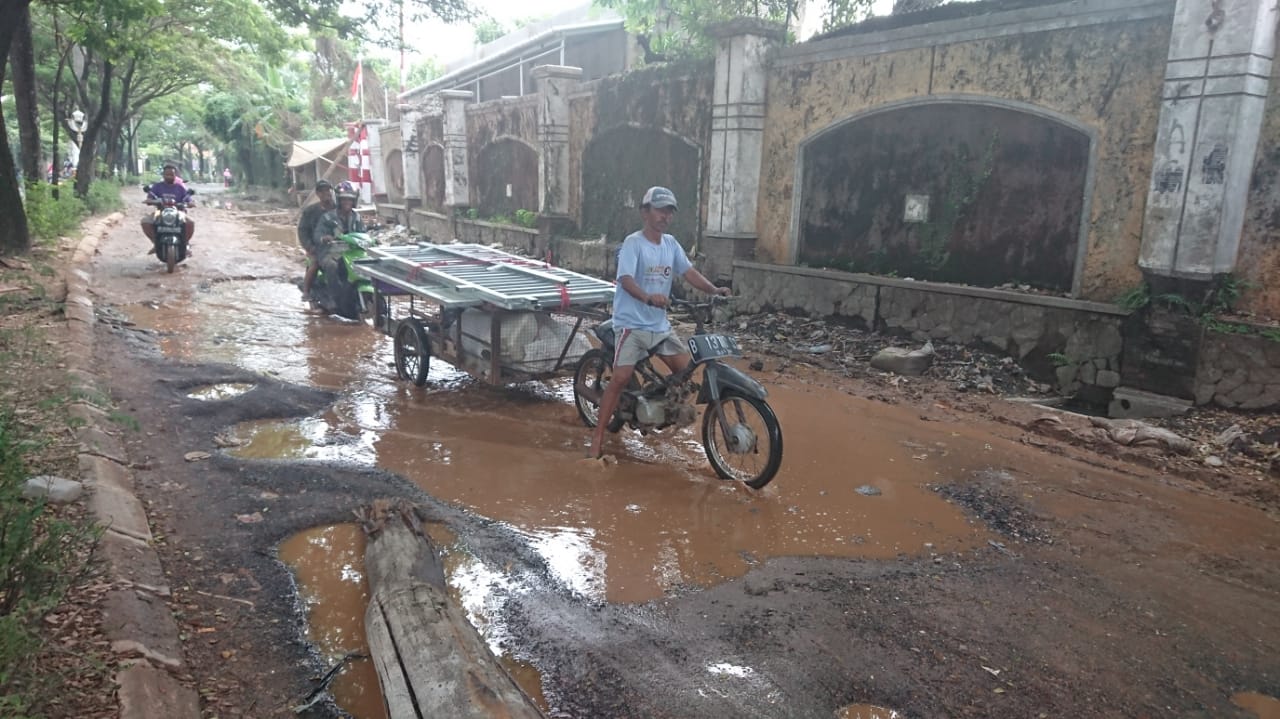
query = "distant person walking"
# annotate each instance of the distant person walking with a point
(226, 177)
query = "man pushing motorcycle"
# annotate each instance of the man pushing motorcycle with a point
(307, 224)
(647, 262)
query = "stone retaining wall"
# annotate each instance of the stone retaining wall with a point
(1239, 371)
(1073, 343)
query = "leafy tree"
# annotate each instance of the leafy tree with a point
(488, 29)
(423, 71)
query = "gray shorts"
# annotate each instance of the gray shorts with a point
(635, 345)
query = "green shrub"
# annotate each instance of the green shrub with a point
(103, 197)
(526, 218)
(51, 218)
(37, 554)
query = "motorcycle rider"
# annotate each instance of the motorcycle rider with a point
(340, 220)
(170, 186)
(647, 262)
(307, 222)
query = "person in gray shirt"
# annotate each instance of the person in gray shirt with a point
(307, 223)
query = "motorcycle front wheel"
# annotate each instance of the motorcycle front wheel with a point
(171, 256)
(749, 448)
(589, 381)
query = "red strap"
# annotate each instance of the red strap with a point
(564, 297)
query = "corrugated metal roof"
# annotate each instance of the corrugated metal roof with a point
(305, 151)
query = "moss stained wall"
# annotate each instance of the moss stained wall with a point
(674, 100)
(1259, 259)
(1106, 78)
(495, 121)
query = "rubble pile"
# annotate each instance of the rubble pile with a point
(849, 351)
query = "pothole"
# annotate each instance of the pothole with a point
(1262, 706)
(328, 563)
(221, 391)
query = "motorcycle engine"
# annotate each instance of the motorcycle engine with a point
(673, 408)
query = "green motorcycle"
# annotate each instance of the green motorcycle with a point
(337, 287)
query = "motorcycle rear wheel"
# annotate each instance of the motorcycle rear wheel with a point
(749, 419)
(413, 351)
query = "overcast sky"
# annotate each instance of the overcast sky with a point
(449, 42)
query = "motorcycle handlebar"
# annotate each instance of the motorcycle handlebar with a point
(686, 304)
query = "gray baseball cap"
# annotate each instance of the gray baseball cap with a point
(659, 197)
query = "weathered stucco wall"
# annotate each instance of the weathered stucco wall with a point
(1103, 78)
(1259, 258)
(502, 121)
(629, 132)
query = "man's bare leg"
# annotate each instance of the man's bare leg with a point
(313, 267)
(608, 404)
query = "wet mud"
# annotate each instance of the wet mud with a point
(929, 566)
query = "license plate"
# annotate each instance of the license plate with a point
(709, 347)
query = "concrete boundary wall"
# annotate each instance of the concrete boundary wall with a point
(1005, 23)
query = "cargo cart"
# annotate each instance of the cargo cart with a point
(501, 317)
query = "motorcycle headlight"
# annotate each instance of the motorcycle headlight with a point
(169, 217)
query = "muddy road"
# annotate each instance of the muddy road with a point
(909, 557)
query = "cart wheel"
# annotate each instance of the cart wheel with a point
(413, 351)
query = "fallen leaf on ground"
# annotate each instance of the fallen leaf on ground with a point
(249, 518)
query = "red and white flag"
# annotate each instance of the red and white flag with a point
(357, 81)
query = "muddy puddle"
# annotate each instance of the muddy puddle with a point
(328, 564)
(1262, 706)
(867, 711)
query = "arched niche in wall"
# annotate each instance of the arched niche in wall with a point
(394, 162)
(433, 177)
(506, 177)
(968, 190)
(619, 164)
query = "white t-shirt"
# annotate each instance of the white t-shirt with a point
(652, 266)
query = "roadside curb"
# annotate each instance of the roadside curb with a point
(136, 617)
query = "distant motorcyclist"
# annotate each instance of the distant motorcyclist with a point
(170, 186)
(307, 224)
(341, 220)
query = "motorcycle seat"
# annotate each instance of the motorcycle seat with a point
(604, 331)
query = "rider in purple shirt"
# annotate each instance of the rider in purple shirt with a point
(171, 186)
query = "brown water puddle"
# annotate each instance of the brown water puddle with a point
(1262, 706)
(329, 565)
(867, 711)
(659, 519)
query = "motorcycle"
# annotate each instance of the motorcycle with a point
(170, 244)
(738, 425)
(345, 293)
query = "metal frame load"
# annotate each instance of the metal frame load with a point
(461, 275)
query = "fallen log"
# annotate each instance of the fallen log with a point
(431, 661)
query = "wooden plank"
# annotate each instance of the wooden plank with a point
(430, 660)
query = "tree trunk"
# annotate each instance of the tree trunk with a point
(15, 236)
(88, 150)
(431, 661)
(23, 68)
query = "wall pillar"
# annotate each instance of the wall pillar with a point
(743, 47)
(457, 186)
(1216, 83)
(410, 159)
(554, 83)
